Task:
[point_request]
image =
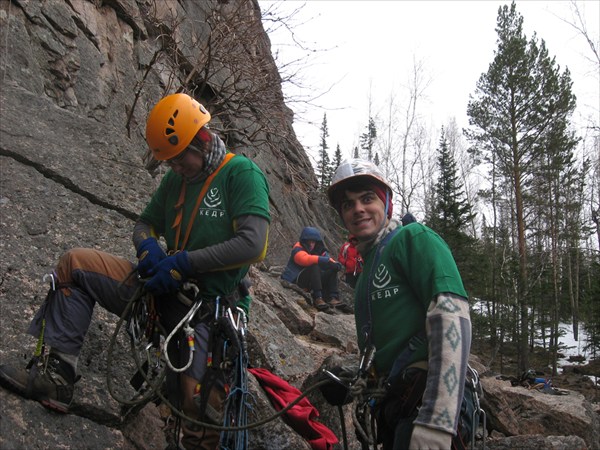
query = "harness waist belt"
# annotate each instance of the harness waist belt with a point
(231, 300)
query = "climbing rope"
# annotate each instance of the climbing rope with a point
(154, 385)
(237, 402)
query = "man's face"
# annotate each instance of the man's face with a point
(363, 213)
(188, 163)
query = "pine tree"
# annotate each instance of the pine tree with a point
(514, 110)
(337, 159)
(323, 165)
(451, 213)
(367, 140)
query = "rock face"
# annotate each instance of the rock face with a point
(517, 411)
(78, 78)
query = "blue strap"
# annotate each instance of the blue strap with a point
(402, 360)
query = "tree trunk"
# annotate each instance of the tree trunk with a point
(522, 285)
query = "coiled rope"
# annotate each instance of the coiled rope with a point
(155, 385)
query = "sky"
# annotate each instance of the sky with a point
(361, 53)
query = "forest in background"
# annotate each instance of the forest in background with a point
(516, 195)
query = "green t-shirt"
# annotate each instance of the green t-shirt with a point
(414, 266)
(238, 189)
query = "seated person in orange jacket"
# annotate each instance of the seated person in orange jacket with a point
(311, 268)
(351, 260)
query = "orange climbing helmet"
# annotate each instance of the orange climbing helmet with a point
(173, 123)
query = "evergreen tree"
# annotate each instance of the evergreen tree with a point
(451, 213)
(323, 164)
(367, 140)
(514, 111)
(337, 159)
(355, 154)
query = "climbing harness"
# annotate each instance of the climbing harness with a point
(234, 425)
(361, 388)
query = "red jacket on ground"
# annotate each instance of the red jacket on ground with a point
(301, 416)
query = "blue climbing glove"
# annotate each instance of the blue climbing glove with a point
(324, 262)
(170, 274)
(149, 254)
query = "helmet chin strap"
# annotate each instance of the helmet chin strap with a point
(386, 209)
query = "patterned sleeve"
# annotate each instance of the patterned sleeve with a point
(449, 337)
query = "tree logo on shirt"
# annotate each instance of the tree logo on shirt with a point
(382, 277)
(381, 283)
(212, 199)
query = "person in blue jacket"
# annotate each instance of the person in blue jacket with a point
(311, 268)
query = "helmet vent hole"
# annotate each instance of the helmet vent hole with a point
(175, 113)
(171, 122)
(173, 139)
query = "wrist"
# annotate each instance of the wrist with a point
(184, 263)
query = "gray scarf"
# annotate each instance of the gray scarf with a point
(364, 246)
(213, 157)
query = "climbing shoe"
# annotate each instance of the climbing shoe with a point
(340, 306)
(345, 308)
(52, 385)
(320, 304)
(334, 302)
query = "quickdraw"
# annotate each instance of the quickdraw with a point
(184, 324)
